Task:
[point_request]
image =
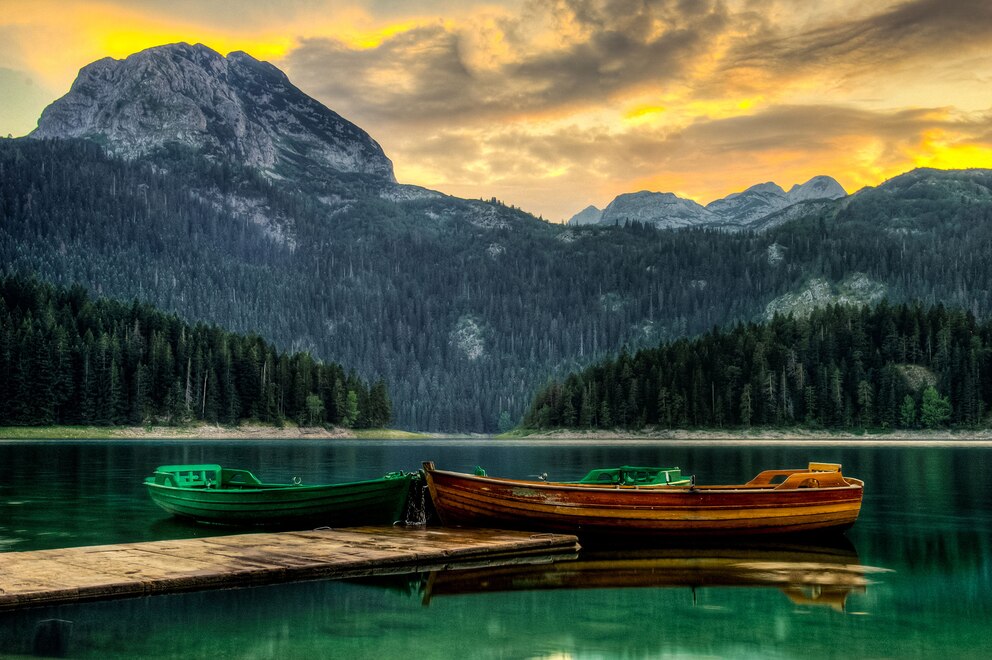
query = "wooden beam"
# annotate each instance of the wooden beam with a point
(44, 577)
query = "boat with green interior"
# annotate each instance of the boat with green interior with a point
(213, 494)
(637, 501)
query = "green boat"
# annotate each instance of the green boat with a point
(213, 494)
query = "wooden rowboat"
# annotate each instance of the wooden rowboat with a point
(212, 494)
(816, 498)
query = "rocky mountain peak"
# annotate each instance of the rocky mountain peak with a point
(819, 187)
(590, 215)
(663, 210)
(755, 207)
(235, 107)
(767, 188)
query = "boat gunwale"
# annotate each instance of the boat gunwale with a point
(280, 488)
(653, 489)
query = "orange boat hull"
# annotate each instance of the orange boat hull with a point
(467, 500)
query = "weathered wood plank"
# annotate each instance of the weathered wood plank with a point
(72, 574)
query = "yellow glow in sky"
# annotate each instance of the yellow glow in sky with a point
(54, 40)
(941, 151)
(553, 109)
(643, 113)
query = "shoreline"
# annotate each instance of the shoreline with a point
(759, 435)
(981, 437)
(200, 432)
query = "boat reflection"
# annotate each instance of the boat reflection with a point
(822, 575)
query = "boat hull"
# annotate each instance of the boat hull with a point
(373, 502)
(468, 500)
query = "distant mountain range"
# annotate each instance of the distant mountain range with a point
(210, 186)
(751, 209)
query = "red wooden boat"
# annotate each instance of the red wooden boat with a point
(816, 498)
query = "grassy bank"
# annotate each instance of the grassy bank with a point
(199, 431)
(50, 432)
(753, 433)
(255, 431)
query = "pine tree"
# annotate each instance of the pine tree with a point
(605, 421)
(865, 398)
(351, 409)
(935, 409)
(586, 409)
(117, 392)
(140, 403)
(809, 401)
(747, 408)
(6, 366)
(569, 418)
(907, 413)
(315, 410)
(665, 416)
(380, 407)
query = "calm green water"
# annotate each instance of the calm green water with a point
(926, 520)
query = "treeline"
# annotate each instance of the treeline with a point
(68, 359)
(902, 366)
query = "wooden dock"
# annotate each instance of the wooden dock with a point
(45, 577)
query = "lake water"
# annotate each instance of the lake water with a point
(920, 557)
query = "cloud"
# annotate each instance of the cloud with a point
(623, 46)
(555, 57)
(416, 74)
(902, 35)
(561, 170)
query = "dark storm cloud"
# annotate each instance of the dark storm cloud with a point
(615, 57)
(424, 74)
(903, 33)
(417, 73)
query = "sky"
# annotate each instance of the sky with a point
(552, 105)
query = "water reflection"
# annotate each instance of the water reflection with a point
(293, 617)
(823, 574)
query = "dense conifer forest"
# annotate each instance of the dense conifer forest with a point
(464, 307)
(70, 359)
(890, 367)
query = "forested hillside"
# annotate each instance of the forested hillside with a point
(902, 366)
(464, 307)
(70, 359)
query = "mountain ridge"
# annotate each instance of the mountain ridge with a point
(747, 209)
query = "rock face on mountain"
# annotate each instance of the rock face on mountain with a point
(235, 107)
(663, 210)
(590, 215)
(751, 205)
(819, 187)
(744, 210)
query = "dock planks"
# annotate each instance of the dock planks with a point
(45, 577)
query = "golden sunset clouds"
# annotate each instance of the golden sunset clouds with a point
(555, 105)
